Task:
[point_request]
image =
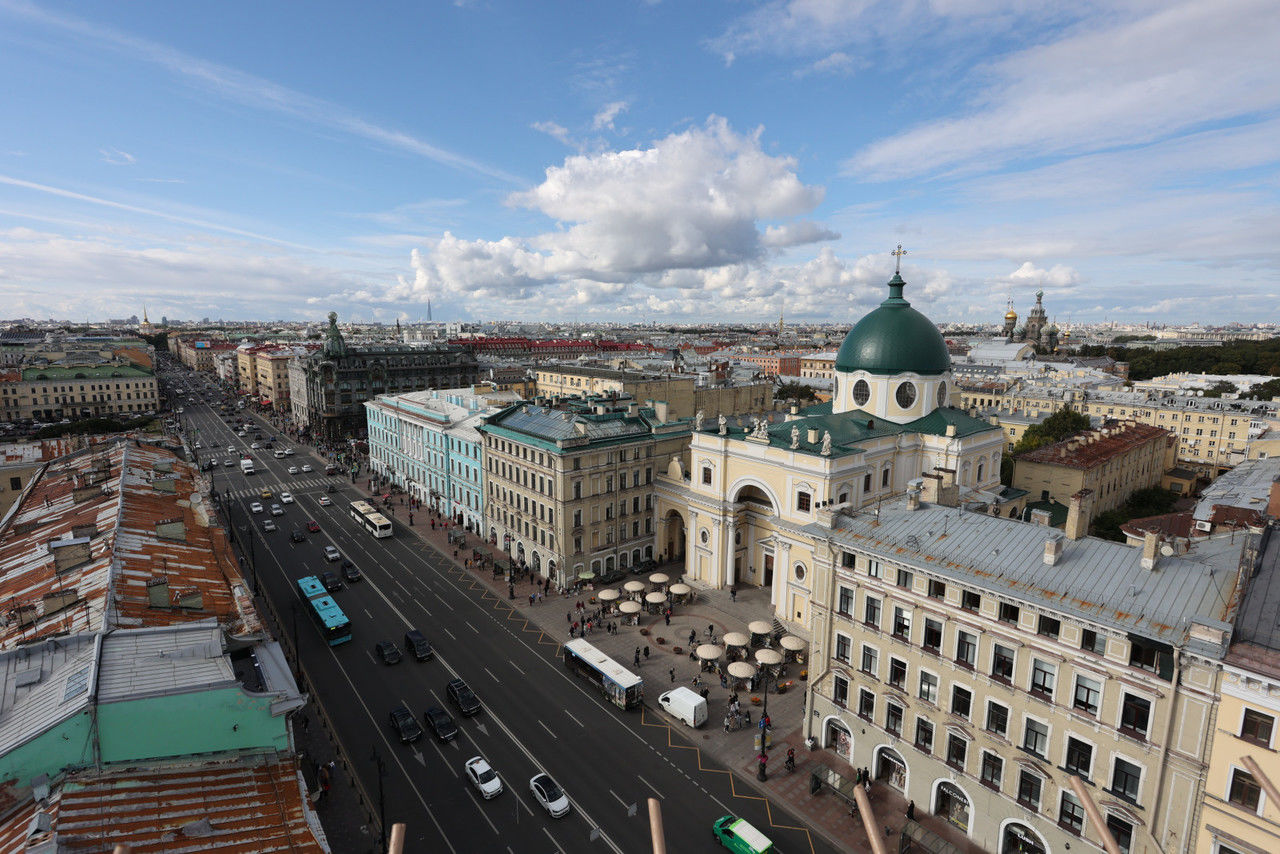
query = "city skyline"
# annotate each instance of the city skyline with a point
(526, 162)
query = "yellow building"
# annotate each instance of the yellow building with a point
(271, 367)
(681, 392)
(1241, 809)
(818, 365)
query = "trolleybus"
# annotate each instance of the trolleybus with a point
(328, 617)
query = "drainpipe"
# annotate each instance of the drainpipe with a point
(813, 683)
(1164, 747)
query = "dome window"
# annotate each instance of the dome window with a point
(861, 392)
(906, 395)
(942, 394)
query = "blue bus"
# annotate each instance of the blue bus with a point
(333, 624)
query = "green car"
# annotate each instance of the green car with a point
(739, 836)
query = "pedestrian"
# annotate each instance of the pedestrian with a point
(733, 594)
(531, 599)
(672, 671)
(711, 632)
(646, 653)
(568, 618)
(667, 617)
(693, 636)
(911, 811)
(637, 657)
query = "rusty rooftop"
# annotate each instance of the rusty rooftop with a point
(1092, 448)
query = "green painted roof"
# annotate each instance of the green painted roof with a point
(894, 339)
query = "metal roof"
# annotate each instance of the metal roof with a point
(42, 685)
(1246, 486)
(245, 805)
(1098, 581)
(163, 660)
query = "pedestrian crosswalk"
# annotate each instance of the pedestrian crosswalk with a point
(294, 485)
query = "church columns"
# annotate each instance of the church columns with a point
(781, 572)
(729, 532)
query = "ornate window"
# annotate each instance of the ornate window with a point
(861, 392)
(942, 394)
(906, 395)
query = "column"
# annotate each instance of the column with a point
(781, 570)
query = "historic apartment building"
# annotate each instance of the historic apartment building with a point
(569, 488)
(682, 393)
(978, 664)
(818, 365)
(52, 393)
(1111, 462)
(331, 385)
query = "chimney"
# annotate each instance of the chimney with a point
(931, 488)
(1150, 550)
(794, 412)
(661, 410)
(913, 495)
(633, 409)
(951, 431)
(811, 436)
(1078, 514)
(1052, 550)
(158, 592)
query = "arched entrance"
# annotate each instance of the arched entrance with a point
(837, 737)
(950, 802)
(1017, 838)
(891, 768)
(673, 524)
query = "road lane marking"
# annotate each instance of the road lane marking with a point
(544, 726)
(487, 670)
(618, 799)
(517, 667)
(557, 844)
(572, 718)
(655, 788)
(473, 628)
(449, 633)
(480, 806)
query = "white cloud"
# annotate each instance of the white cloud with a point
(838, 62)
(604, 118)
(1124, 81)
(797, 234)
(1057, 276)
(555, 131)
(116, 157)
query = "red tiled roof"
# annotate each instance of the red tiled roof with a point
(253, 805)
(1094, 447)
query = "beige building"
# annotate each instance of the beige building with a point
(681, 392)
(569, 490)
(272, 369)
(73, 392)
(1110, 463)
(818, 365)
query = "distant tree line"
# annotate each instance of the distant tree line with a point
(95, 426)
(795, 391)
(1233, 357)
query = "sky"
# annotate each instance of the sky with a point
(630, 161)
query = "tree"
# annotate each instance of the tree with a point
(1267, 391)
(1058, 426)
(1152, 501)
(795, 391)
(1218, 389)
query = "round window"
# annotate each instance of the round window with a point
(704, 536)
(942, 394)
(799, 572)
(905, 395)
(861, 392)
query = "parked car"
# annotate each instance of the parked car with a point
(405, 724)
(549, 795)
(387, 651)
(461, 695)
(417, 644)
(441, 723)
(483, 777)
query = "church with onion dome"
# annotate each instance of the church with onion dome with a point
(746, 506)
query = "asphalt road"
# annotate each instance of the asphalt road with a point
(537, 716)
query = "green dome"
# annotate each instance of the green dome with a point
(894, 339)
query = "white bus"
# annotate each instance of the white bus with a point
(620, 686)
(370, 519)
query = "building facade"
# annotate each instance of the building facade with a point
(78, 391)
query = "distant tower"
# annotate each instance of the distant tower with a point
(1051, 337)
(1010, 320)
(779, 321)
(1036, 320)
(145, 326)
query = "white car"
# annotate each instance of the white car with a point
(324, 501)
(277, 510)
(331, 554)
(268, 525)
(288, 452)
(254, 446)
(255, 507)
(228, 463)
(549, 795)
(231, 449)
(286, 498)
(483, 777)
(239, 432)
(307, 468)
(293, 469)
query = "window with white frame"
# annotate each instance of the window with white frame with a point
(1042, 677)
(928, 687)
(1088, 694)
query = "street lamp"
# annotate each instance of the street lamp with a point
(765, 676)
(382, 802)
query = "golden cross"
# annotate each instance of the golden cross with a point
(899, 252)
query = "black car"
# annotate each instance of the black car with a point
(441, 722)
(350, 571)
(297, 536)
(387, 651)
(405, 724)
(463, 697)
(330, 581)
(417, 644)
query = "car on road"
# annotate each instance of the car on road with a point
(231, 449)
(549, 795)
(461, 695)
(254, 446)
(330, 581)
(286, 498)
(288, 452)
(313, 526)
(387, 651)
(738, 835)
(441, 723)
(331, 553)
(483, 777)
(238, 432)
(266, 495)
(268, 525)
(255, 507)
(405, 724)
(277, 510)
(228, 463)
(297, 536)
(293, 469)
(418, 645)
(324, 501)
(350, 571)
(307, 468)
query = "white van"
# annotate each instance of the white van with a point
(686, 705)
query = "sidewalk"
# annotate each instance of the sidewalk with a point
(824, 813)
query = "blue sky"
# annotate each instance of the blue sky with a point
(659, 161)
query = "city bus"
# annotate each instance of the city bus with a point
(370, 519)
(333, 624)
(620, 686)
